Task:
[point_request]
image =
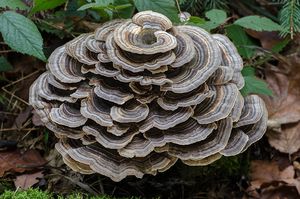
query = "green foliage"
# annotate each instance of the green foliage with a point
(196, 21)
(277, 48)
(289, 17)
(166, 7)
(125, 12)
(4, 65)
(40, 5)
(21, 34)
(258, 23)
(241, 40)
(254, 84)
(38, 194)
(30, 194)
(13, 4)
(216, 18)
(96, 5)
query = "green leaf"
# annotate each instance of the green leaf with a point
(13, 4)
(40, 5)
(277, 48)
(21, 34)
(241, 40)
(248, 71)
(104, 2)
(100, 4)
(193, 20)
(87, 6)
(125, 12)
(216, 16)
(4, 64)
(258, 23)
(166, 7)
(253, 85)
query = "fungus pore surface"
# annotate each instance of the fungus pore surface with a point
(137, 95)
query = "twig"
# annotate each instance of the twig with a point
(6, 51)
(178, 6)
(16, 129)
(8, 113)
(19, 80)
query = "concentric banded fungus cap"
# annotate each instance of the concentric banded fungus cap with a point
(137, 95)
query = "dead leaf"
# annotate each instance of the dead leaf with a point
(288, 140)
(284, 106)
(267, 39)
(36, 120)
(26, 181)
(22, 117)
(279, 192)
(15, 161)
(268, 178)
(263, 172)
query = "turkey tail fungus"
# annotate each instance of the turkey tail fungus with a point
(137, 95)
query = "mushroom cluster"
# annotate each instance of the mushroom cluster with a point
(136, 95)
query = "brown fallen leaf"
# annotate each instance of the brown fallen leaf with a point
(263, 172)
(267, 178)
(22, 117)
(36, 120)
(25, 181)
(288, 140)
(15, 161)
(284, 106)
(267, 39)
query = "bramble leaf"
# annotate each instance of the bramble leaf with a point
(258, 23)
(40, 5)
(166, 7)
(21, 34)
(13, 4)
(241, 40)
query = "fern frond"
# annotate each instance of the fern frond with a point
(289, 17)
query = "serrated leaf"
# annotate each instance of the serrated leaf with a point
(4, 64)
(166, 7)
(40, 5)
(241, 40)
(258, 23)
(21, 34)
(253, 85)
(248, 71)
(13, 4)
(216, 16)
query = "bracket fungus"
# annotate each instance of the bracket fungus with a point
(137, 95)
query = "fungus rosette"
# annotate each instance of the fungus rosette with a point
(137, 95)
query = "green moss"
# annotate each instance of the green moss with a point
(38, 194)
(31, 193)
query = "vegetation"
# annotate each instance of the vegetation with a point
(38, 194)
